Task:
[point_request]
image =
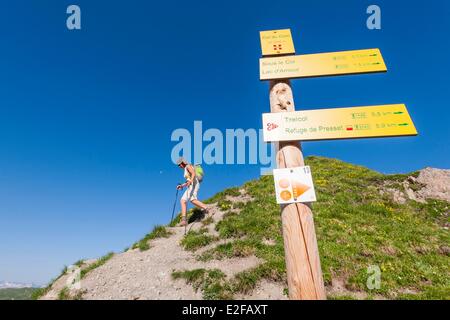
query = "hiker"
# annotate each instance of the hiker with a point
(193, 180)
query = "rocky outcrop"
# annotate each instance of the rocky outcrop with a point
(430, 183)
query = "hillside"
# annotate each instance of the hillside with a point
(17, 293)
(363, 218)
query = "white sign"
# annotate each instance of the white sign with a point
(294, 185)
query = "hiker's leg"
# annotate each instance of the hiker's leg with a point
(184, 200)
(193, 198)
(183, 208)
(198, 203)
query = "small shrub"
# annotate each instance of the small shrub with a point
(40, 292)
(197, 239)
(207, 221)
(64, 294)
(211, 282)
(157, 232)
(96, 264)
(79, 263)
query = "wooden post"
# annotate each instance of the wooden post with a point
(304, 273)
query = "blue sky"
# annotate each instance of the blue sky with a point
(86, 116)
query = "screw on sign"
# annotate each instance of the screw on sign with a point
(287, 127)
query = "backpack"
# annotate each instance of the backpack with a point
(199, 172)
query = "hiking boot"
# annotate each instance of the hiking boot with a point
(183, 222)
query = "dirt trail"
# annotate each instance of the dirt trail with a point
(140, 275)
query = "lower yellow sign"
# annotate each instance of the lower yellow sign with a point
(341, 123)
(322, 64)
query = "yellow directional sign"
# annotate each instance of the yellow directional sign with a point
(276, 42)
(341, 123)
(322, 64)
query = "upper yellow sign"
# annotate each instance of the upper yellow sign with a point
(340, 123)
(322, 64)
(276, 42)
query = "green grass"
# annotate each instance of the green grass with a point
(197, 239)
(356, 227)
(96, 264)
(17, 293)
(210, 282)
(40, 292)
(64, 294)
(79, 263)
(341, 297)
(157, 232)
(207, 221)
(237, 248)
(221, 196)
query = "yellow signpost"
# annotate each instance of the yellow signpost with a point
(322, 64)
(288, 127)
(341, 123)
(276, 42)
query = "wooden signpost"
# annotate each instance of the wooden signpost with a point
(287, 127)
(304, 273)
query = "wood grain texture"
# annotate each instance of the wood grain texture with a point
(304, 272)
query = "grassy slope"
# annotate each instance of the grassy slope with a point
(17, 294)
(356, 228)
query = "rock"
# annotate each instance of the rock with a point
(444, 250)
(431, 183)
(397, 196)
(437, 183)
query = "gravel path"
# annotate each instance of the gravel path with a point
(140, 275)
(147, 275)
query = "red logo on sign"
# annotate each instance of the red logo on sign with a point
(271, 126)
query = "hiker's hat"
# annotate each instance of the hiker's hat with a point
(180, 161)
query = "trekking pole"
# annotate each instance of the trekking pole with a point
(174, 205)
